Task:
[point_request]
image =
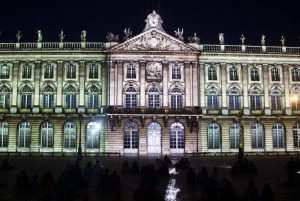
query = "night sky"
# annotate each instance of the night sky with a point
(207, 18)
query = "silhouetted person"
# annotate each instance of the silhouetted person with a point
(267, 193)
(125, 168)
(251, 193)
(5, 165)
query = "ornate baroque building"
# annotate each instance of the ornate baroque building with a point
(151, 94)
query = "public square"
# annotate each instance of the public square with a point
(270, 169)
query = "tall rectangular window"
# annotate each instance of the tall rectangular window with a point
(234, 102)
(71, 71)
(4, 72)
(295, 75)
(254, 74)
(26, 72)
(26, 101)
(255, 102)
(48, 71)
(213, 102)
(176, 102)
(93, 101)
(71, 101)
(176, 74)
(93, 72)
(276, 102)
(48, 101)
(131, 71)
(275, 74)
(212, 73)
(233, 74)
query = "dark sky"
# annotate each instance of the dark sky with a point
(273, 18)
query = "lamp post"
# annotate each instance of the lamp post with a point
(79, 154)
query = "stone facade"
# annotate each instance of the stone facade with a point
(152, 94)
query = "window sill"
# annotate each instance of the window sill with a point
(93, 111)
(213, 111)
(25, 110)
(256, 112)
(297, 112)
(4, 110)
(47, 110)
(70, 111)
(277, 112)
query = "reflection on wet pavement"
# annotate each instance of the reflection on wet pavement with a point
(172, 190)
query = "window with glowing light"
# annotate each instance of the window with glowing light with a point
(24, 135)
(4, 71)
(278, 135)
(93, 135)
(3, 134)
(69, 135)
(235, 130)
(296, 134)
(214, 136)
(4, 97)
(47, 134)
(131, 135)
(177, 136)
(257, 135)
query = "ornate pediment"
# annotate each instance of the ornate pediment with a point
(153, 40)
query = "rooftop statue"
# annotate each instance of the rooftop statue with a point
(61, 36)
(83, 36)
(243, 39)
(179, 34)
(221, 38)
(19, 36)
(127, 33)
(39, 36)
(282, 40)
(194, 39)
(111, 37)
(263, 40)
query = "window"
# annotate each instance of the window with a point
(48, 97)
(234, 98)
(131, 71)
(212, 73)
(278, 135)
(295, 74)
(71, 71)
(48, 71)
(176, 74)
(296, 134)
(3, 134)
(69, 135)
(4, 71)
(154, 97)
(212, 98)
(214, 136)
(257, 135)
(176, 99)
(26, 73)
(275, 74)
(24, 135)
(94, 71)
(70, 97)
(131, 97)
(131, 136)
(92, 136)
(4, 97)
(235, 130)
(93, 97)
(254, 74)
(47, 134)
(276, 99)
(255, 99)
(26, 97)
(295, 98)
(177, 136)
(233, 74)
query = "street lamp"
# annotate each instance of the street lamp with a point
(79, 154)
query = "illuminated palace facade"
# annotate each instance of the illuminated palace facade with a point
(152, 94)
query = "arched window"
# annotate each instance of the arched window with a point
(131, 97)
(3, 134)
(48, 97)
(4, 97)
(275, 74)
(295, 74)
(276, 103)
(69, 135)
(255, 99)
(177, 136)
(4, 71)
(24, 135)
(70, 97)
(235, 130)
(47, 134)
(214, 136)
(295, 98)
(176, 98)
(93, 97)
(154, 97)
(93, 135)
(26, 97)
(49, 71)
(296, 134)
(131, 135)
(234, 98)
(233, 74)
(213, 98)
(278, 135)
(257, 135)
(212, 73)
(254, 74)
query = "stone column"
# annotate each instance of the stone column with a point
(286, 96)
(266, 89)
(165, 84)
(82, 70)
(202, 87)
(143, 84)
(15, 78)
(111, 72)
(195, 84)
(224, 89)
(187, 84)
(119, 83)
(104, 78)
(59, 94)
(245, 89)
(37, 80)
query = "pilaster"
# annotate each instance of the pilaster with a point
(111, 70)
(119, 83)
(37, 79)
(286, 79)
(245, 89)
(165, 84)
(266, 89)
(15, 78)
(202, 87)
(82, 69)
(104, 79)
(224, 89)
(195, 84)
(143, 84)
(59, 95)
(187, 84)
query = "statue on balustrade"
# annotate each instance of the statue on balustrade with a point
(39, 36)
(83, 36)
(243, 39)
(221, 38)
(263, 40)
(194, 39)
(62, 36)
(111, 37)
(19, 36)
(282, 40)
(127, 33)
(179, 34)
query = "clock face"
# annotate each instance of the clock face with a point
(153, 22)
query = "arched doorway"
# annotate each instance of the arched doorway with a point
(154, 139)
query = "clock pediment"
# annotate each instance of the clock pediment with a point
(153, 40)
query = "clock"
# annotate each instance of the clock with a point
(153, 21)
